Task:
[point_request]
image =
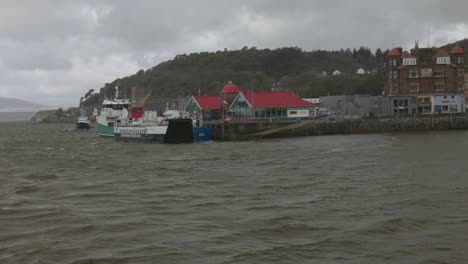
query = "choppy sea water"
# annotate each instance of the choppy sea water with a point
(386, 198)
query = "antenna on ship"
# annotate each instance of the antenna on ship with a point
(133, 94)
(116, 91)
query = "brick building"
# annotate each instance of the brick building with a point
(427, 80)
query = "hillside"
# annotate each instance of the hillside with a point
(250, 68)
(18, 105)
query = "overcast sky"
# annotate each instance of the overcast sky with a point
(53, 51)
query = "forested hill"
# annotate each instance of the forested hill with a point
(258, 69)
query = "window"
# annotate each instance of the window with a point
(394, 74)
(460, 86)
(394, 62)
(414, 87)
(443, 60)
(409, 61)
(413, 74)
(460, 60)
(427, 72)
(438, 87)
(460, 72)
(439, 73)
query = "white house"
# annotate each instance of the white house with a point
(361, 71)
(336, 73)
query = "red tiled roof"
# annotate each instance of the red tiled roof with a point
(207, 102)
(406, 55)
(394, 52)
(458, 50)
(230, 89)
(442, 53)
(275, 99)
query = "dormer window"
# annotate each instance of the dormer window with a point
(409, 61)
(443, 60)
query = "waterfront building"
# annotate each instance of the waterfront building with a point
(273, 106)
(466, 91)
(204, 108)
(237, 105)
(427, 80)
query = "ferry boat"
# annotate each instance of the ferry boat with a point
(113, 114)
(125, 121)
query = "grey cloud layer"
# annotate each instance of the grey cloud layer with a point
(46, 45)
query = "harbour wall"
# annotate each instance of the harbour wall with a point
(374, 124)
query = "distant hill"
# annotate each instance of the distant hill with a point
(18, 105)
(307, 73)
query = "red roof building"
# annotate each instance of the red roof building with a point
(457, 50)
(272, 106)
(441, 53)
(230, 88)
(275, 99)
(207, 102)
(394, 52)
(406, 55)
(424, 76)
(204, 108)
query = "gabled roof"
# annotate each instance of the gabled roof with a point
(394, 52)
(442, 53)
(458, 50)
(275, 99)
(207, 102)
(406, 55)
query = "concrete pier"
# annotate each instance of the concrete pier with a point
(375, 124)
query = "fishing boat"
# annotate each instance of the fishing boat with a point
(83, 122)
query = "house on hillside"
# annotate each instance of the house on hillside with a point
(273, 106)
(361, 71)
(336, 73)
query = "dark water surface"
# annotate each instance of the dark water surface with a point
(77, 198)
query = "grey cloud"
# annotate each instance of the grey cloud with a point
(63, 39)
